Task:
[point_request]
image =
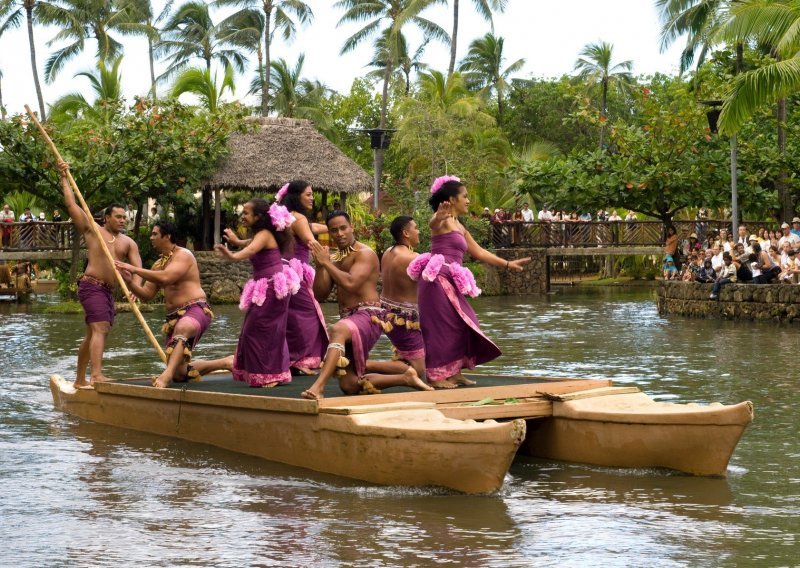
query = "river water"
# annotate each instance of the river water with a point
(80, 494)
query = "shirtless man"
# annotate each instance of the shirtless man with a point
(96, 285)
(399, 296)
(188, 313)
(354, 268)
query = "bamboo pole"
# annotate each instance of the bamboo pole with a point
(96, 229)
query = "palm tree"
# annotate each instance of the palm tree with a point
(294, 96)
(278, 18)
(191, 33)
(145, 22)
(107, 85)
(595, 66)
(245, 29)
(484, 8)
(2, 106)
(483, 68)
(200, 82)
(698, 20)
(386, 18)
(11, 11)
(78, 21)
(406, 63)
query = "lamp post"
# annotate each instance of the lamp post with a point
(712, 115)
(379, 139)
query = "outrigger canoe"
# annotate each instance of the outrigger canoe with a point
(463, 439)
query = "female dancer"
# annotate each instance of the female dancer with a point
(262, 357)
(450, 329)
(306, 333)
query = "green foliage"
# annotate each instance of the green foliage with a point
(161, 150)
(67, 288)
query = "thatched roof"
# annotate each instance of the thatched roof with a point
(283, 149)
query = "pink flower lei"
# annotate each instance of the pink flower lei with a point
(281, 193)
(440, 181)
(281, 218)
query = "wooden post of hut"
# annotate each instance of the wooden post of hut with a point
(217, 216)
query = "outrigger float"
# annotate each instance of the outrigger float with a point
(463, 439)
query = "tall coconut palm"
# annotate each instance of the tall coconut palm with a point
(483, 68)
(386, 18)
(145, 22)
(11, 12)
(294, 96)
(245, 29)
(78, 21)
(190, 33)
(2, 106)
(406, 63)
(595, 66)
(484, 9)
(106, 83)
(279, 17)
(200, 82)
(698, 20)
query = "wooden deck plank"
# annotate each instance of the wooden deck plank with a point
(536, 408)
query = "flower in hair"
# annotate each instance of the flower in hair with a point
(440, 181)
(281, 218)
(281, 193)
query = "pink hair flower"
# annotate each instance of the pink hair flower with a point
(281, 193)
(281, 218)
(440, 181)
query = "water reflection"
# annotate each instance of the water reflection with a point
(76, 493)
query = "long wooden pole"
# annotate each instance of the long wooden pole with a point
(96, 230)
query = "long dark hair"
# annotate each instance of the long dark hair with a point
(264, 221)
(449, 189)
(292, 198)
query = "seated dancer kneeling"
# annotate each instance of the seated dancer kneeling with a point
(353, 267)
(399, 297)
(188, 313)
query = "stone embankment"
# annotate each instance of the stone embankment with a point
(223, 280)
(775, 302)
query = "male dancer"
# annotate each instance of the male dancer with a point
(97, 283)
(354, 268)
(188, 313)
(399, 296)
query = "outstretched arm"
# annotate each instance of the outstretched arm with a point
(482, 255)
(440, 217)
(174, 271)
(261, 240)
(145, 291)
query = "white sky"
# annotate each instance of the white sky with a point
(549, 35)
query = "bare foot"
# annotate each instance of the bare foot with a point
(305, 370)
(80, 383)
(269, 385)
(445, 384)
(162, 381)
(412, 379)
(311, 395)
(100, 379)
(460, 379)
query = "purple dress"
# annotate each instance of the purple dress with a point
(262, 356)
(306, 333)
(450, 329)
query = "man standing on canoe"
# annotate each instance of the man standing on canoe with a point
(399, 295)
(354, 268)
(188, 313)
(96, 285)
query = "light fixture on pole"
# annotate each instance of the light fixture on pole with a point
(379, 139)
(715, 108)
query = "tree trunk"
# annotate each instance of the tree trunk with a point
(263, 76)
(499, 105)
(603, 103)
(34, 68)
(378, 157)
(2, 107)
(137, 221)
(785, 198)
(267, 62)
(206, 214)
(152, 64)
(453, 40)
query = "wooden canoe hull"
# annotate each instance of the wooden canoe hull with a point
(411, 445)
(632, 430)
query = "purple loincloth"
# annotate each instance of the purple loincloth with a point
(405, 333)
(97, 301)
(364, 333)
(198, 313)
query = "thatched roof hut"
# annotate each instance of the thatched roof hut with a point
(283, 149)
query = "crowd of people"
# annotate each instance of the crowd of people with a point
(719, 258)
(422, 307)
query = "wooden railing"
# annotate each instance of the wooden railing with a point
(37, 236)
(576, 234)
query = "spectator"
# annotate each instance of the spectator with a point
(764, 269)
(789, 268)
(154, 217)
(724, 241)
(614, 216)
(796, 227)
(725, 276)
(527, 213)
(56, 216)
(27, 216)
(487, 214)
(602, 215)
(693, 245)
(670, 270)
(26, 234)
(631, 216)
(516, 220)
(742, 235)
(544, 214)
(671, 245)
(701, 222)
(692, 270)
(130, 218)
(706, 274)
(741, 260)
(717, 260)
(585, 217)
(752, 241)
(6, 218)
(42, 217)
(788, 236)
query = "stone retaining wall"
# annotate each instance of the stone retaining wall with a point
(223, 280)
(776, 302)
